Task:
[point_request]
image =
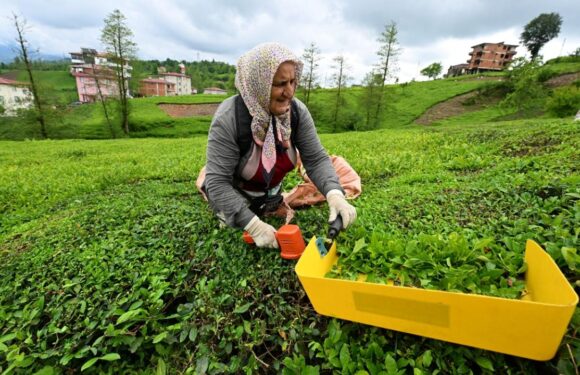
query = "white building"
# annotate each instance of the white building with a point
(182, 82)
(14, 95)
(90, 66)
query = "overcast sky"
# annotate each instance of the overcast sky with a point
(429, 30)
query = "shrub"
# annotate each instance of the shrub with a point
(564, 102)
(528, 94)
(545, 74)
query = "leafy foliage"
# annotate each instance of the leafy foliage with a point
(540, 31)
(113, 262)
(528, 94)
(564, 101)
(432, 71)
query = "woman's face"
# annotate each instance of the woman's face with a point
(283, 87)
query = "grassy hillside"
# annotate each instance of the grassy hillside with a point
(109, 252)
(402, 105)
(59, 86)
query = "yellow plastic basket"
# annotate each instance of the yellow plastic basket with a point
(531, 327)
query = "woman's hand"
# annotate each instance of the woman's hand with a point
(338, 205)
(263, 234)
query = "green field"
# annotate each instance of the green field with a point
(113, 262)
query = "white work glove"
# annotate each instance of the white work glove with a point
(262, 233)
(338, 205)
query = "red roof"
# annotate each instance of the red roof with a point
(6, 81)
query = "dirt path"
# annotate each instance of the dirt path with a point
(189, 110)
(563, 80)
(452, 107)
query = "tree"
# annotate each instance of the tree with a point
(24, 54)
(540, 31)
(433, 70)
(369, 98)
(102, 98)
(388, 52)
(340, 78)
(117, 40)
(311, 58)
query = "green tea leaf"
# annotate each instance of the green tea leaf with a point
(7, 337)
(202, 365)
(391, 364)
(484, 363)
(110, 357)
(129, 315)
(427, 358)
(160, 337)
(89, 363)
(242, 309)
(161, 367)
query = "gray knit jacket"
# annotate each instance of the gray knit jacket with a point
(223, 163)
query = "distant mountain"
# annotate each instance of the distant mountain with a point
(7, 54)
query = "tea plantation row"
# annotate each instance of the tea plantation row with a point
(112, 262)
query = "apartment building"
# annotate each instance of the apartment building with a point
(490, 57)
(95, 73)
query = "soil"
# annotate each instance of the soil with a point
(563, 80)
(453, 107)
(189, 110)
(10, 75)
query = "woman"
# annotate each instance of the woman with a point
(244, 176)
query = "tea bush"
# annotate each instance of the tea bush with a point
(112, 262)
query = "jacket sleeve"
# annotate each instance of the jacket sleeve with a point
(313, 155)
(222, 159)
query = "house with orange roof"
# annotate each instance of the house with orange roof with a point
(156, 87)
(167, 83)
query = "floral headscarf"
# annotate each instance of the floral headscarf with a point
(254, 76)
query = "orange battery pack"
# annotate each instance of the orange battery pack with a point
(291, 243)
(247, 238)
